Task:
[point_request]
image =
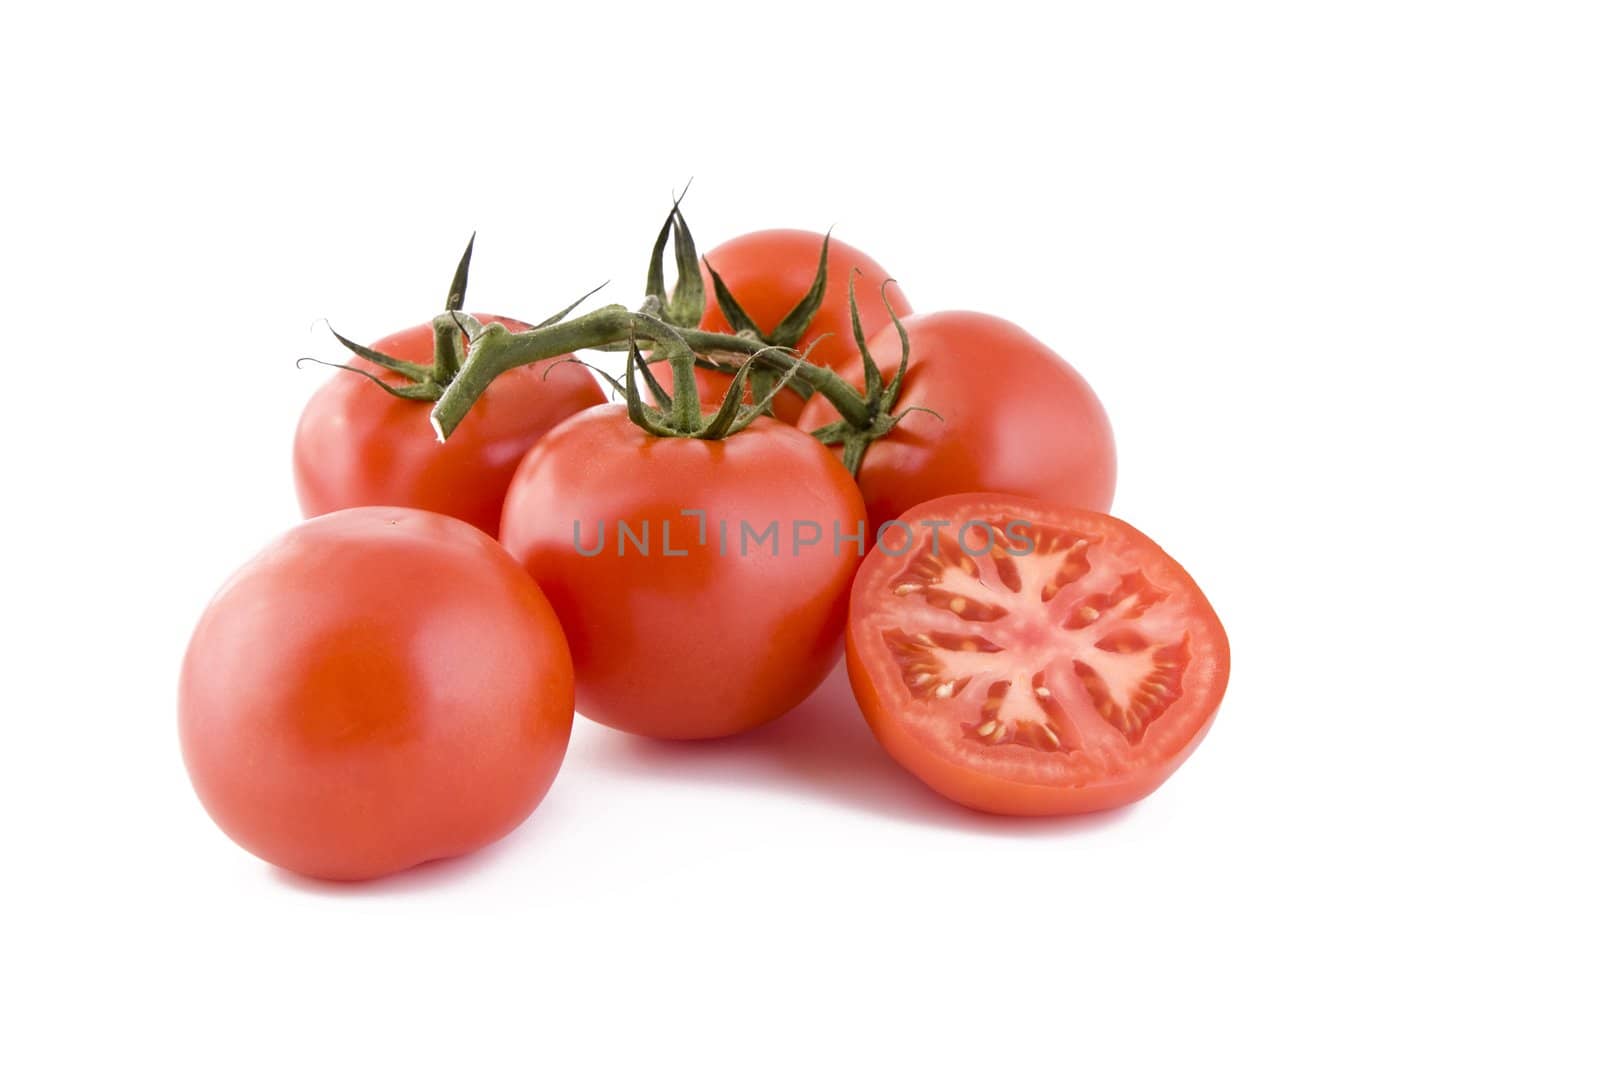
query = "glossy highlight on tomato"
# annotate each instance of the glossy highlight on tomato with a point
(356, 445)
(377, 688)
(1024, 658)
(697, 631)
(769, 272)
(1008, 416)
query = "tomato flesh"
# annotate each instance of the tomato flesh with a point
(1023, 658)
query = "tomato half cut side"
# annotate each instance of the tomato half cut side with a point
(1029, 659)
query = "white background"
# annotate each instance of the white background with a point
(1333, 271)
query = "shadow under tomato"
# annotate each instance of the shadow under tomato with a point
(423, 877)
(824, 749)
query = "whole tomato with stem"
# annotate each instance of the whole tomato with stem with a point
(983, 406)
(377, 688)
(791, 288)
(357, 444)
(363, 437)
(695, 560)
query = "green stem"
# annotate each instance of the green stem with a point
(498, 350)
(855, 447)
(685, 390)
(446, 348)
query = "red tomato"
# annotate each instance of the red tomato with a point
(358, 445)
(1013, 418)
(1069, 667)
(675, 635)
(379, 687)
(769, 272)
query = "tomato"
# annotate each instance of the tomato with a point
(769, 272)
(379, 687)
(1012, 417)
(358, 445)
(1040, 660)
(688, 625)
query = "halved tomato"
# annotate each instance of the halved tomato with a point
(1029, 659)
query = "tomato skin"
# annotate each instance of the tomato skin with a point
(377, 688)
(1013, 418)
(999, 780)
(356, 445)
(769, 272)
(705, 644)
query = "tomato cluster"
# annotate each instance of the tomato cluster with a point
(793, 473)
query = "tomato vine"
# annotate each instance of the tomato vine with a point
(665, 326)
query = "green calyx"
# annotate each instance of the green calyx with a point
(453, 330)
(687, 302)
(424, 383)
(677, 412)
(686, 306)
(875, 416)
(787, 333)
